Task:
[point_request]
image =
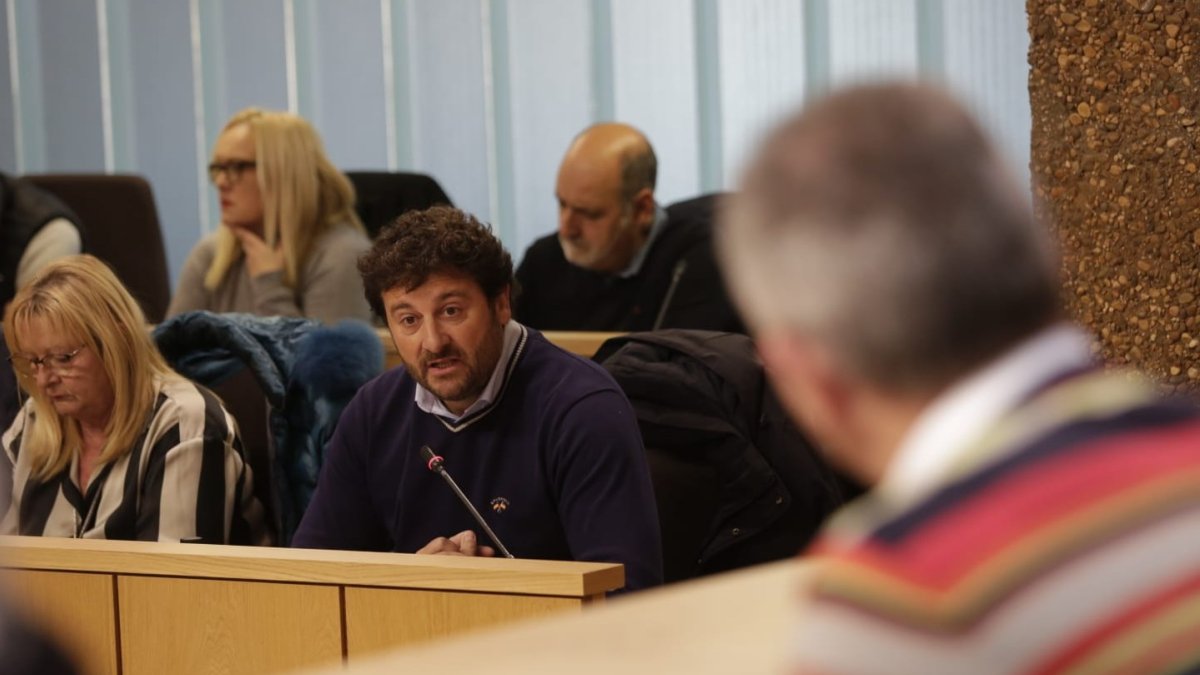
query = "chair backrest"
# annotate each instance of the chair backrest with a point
(381, 196)
(121, 227)
(246, 401)
(10, 398)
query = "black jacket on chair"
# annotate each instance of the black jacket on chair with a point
(24, 210)
(736, 482)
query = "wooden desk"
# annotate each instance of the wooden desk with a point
(148, 607)
(583, 343)
(731, 623)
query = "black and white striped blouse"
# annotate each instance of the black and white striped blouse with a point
(184, 479)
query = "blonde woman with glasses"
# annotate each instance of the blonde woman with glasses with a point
(113, 444)
(289, 238)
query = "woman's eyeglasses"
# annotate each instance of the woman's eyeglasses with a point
(232, 170)
(56, 363)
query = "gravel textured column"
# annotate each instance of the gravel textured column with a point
(1115, 97)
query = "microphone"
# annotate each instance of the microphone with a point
(676, 275)
(434, 463)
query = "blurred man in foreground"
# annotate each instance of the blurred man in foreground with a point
(1030, 512)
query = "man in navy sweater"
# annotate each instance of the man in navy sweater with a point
(543, 442)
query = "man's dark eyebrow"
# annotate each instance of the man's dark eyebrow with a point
(404, 304)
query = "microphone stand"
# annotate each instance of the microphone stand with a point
(434, 463)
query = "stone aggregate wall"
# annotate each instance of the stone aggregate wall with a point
(1113, 90)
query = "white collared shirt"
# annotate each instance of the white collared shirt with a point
(967, 408)
(430, 403)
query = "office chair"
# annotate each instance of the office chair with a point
(120, 220)
(382, 196)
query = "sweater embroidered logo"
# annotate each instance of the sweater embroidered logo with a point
(499, 504)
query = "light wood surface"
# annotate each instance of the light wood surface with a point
(732, 623)
(382, 618)
(153, 607)
(226, 626)
(395, 570)
(89, 631)
(583, 343)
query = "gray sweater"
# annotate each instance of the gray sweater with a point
(329, 288)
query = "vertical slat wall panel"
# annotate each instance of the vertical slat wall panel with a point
(117, 51)
(654, 75)
(70, 78)
(254, 64)
(482, 94)
(347, 82)
(8, 122)
(986, 43)
(211, 107)
(600, 40)
(27, 110)
(161, 116)
(551, 102)
(449, 135)
(871, 39)
(709, 123)
(763, 72)
(497, 120)
(394, 26)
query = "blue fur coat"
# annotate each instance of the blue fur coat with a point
(308, 373)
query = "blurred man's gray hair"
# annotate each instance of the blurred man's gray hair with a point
(881, 223)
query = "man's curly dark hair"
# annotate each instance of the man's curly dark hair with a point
(438, 240)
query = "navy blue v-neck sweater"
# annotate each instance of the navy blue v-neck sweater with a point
(555, 465)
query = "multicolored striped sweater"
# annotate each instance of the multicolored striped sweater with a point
(1067, 540)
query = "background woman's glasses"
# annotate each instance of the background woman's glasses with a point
(232, 170)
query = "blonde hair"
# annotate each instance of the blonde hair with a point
(80, 298)
(303, 193)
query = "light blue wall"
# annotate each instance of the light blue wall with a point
(482, 94)
(8, 141)
(71, 94)
(551, 91)
(161, 119)
(252, 60)
(344, 95)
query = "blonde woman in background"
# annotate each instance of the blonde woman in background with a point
(289, 238)
(112, 443)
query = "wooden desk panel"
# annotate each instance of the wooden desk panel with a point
(737, 622)
(184, 626)
(88, 630)
(378, 618)
(184, 608)
(313, 566)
